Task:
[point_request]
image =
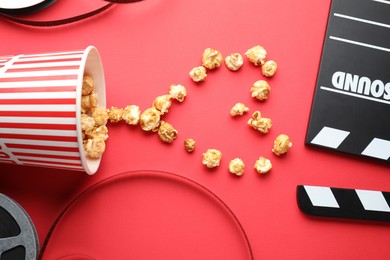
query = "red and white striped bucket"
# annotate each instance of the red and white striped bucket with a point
(40, 108)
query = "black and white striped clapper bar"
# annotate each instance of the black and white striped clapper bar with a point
(344, 203)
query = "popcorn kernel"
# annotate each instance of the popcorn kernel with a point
(256, 55)
(238, 109)
(100, 115)
(131, 114)
(212, 158)
(162, 103)
(94, 147)
(211, 58)
(234, 61)
(236, 166)
(269, 68)
(166, 132)
(88, 85)
(115, 114)
(198, 74)
(150, 119)
(178, 92)
(282, 144)
(260, 90)
(89, 101)
(260, 123)
(263, 165)
(189, 145)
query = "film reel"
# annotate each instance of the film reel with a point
(18, 237)
(23, 7)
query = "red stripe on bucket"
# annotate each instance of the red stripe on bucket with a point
(38, 78)
(42, 147)
(21, 61)
(54, 101)
(49, 162)
(38, 126)
(71, 114)
(75, 168)
(38, 89)
(47, 156)
(40, 137)
(7, 161)
(59, 67)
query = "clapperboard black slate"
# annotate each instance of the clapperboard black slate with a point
(351, 105)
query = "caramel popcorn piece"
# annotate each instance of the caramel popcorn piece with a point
(86, 122)
(263, 165)
(150, 119)
(212, 158)
(166, 132)
(162, 103)
(269, 68)
(131, 114)
(256, 55)
(94, 147)
(189, 145)
(211, 58)
(100, 115)
(88, 85)
(100, 132)
(178, 92)
(260, 90)
(198, 74)
(115, 114)
(89, 101)
(234, 61)
(236, 166)
(260, 123)
(282, 144)
(238, 109)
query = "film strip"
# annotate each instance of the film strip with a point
(351, 103)
(13, 14)
(344, 203)
(18, 237)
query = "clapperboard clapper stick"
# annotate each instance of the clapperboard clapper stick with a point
(344, 203)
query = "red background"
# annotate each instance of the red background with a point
(147, 46)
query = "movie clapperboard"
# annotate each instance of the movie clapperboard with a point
(351, 105)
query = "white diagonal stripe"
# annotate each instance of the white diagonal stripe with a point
(39, 95)
(382, 1)
(32, 151)
(38, 132)
(321, 196)
(40, 83)
(40, 142)
(40, 73)
(38, 107)
(45, 64)
(378, 148)
(359, 43)
(330, 137)
(373, 200)
(47, 57)
(39, 120)
(362, 20)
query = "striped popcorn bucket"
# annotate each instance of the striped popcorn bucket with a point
(40, 108)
